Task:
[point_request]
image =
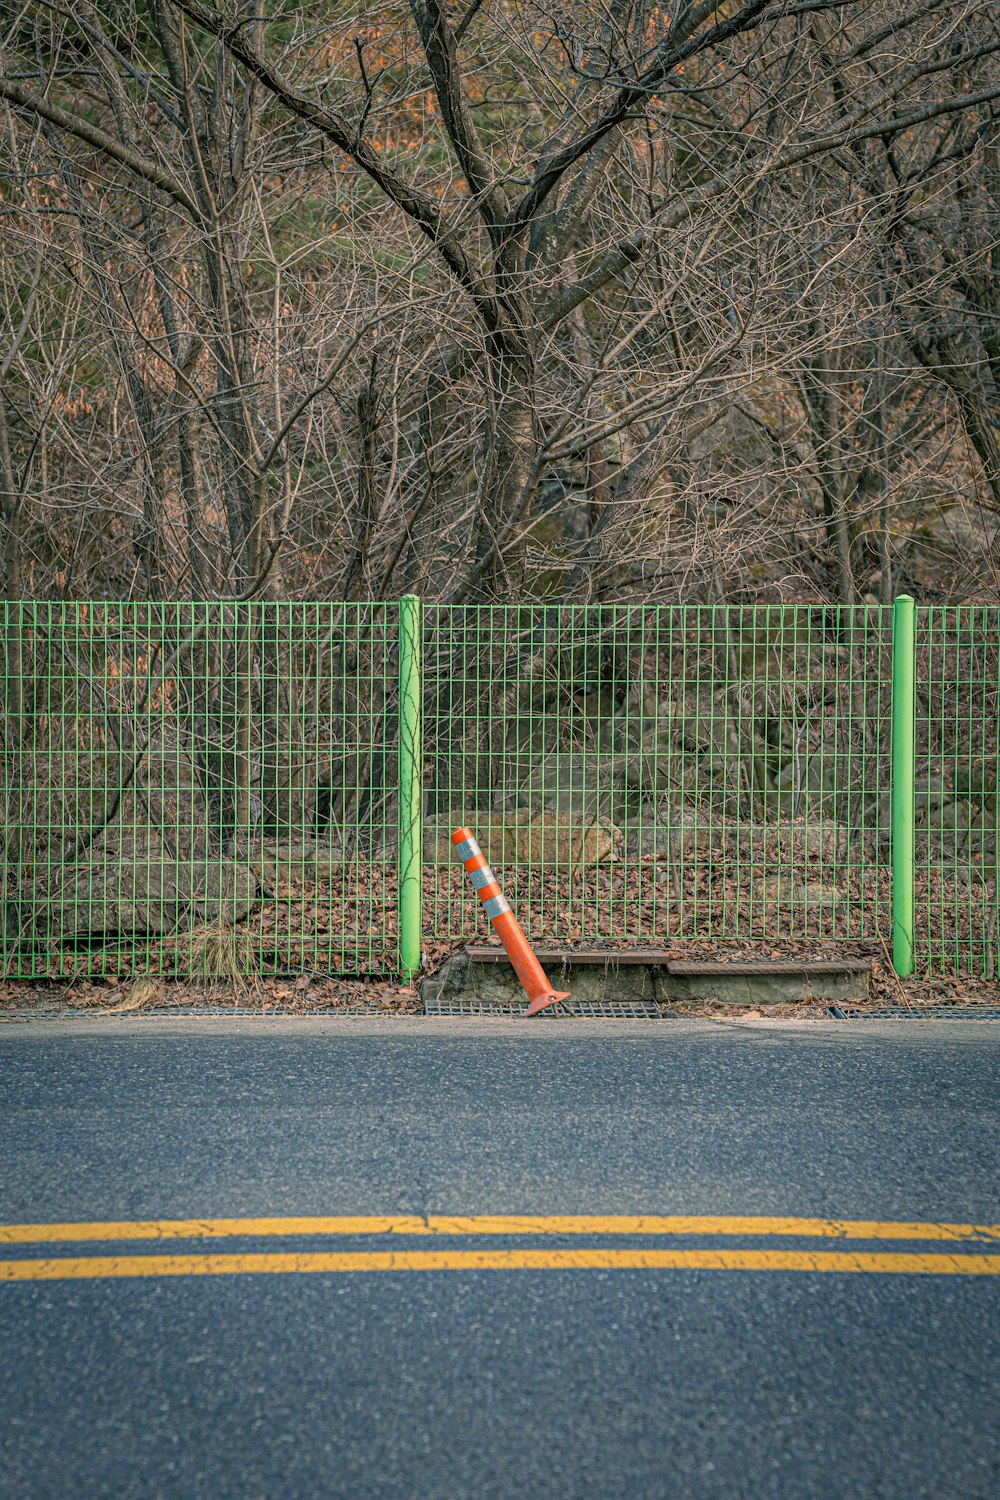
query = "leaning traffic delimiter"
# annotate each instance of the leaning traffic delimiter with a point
(529, 971)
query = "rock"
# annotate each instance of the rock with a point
(558, 839)
(562, 839)
(680, 831)
(962, 833)
(962, 529)
(801, 896)
(577, 786)
(134, 885)
(800, 846)
(301, 861)
(978, 782)
(815, 788)
(803, 849)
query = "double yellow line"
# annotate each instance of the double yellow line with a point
(960, 1259)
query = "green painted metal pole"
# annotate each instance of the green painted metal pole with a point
(410, 787)
(903, 674)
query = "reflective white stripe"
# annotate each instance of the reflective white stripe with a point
(467, 848)
(495, 905)
(481, 877)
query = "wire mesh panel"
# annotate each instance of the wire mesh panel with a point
(197, 788)
(637, 772)
(957, 789)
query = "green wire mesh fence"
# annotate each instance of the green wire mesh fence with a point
(200, 789)
(638, 774)
(957, 812)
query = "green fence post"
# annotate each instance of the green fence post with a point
(410, 787)
(903, 674)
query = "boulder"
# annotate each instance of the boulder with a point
(680, 831)
(961, 834)
(802, 846)
(814, 787)
(576, 785)
(803, 849)
(978, 783)
(129, 883)
(563, 839)
(554, 838)
(961, 529)
(801, 895)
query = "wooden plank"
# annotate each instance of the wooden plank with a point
(739, 968)
(481, 953)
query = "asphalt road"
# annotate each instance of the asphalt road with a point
(617, 1375)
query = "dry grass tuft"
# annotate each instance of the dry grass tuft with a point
(216, 955)
(143, 992)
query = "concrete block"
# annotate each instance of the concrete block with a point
(590, 982)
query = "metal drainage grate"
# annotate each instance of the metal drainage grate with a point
(217, 1013)
(918, 1013)
(624, 1010)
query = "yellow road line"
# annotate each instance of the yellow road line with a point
(187, 1229)
(880, 1262)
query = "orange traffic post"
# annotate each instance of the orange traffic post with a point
(529, 971)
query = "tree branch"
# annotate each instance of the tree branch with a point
(142, 166)
(410, 199)
(630, 249)
(551, 167)
(442, 58)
